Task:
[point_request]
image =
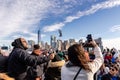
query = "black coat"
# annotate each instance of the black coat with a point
(108, 77)
(3, 63)
(35, 71)
(53, 73)
(19, 60)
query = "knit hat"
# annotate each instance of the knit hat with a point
(36, 46)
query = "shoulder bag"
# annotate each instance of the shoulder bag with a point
(77, 73)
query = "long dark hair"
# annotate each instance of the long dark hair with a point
(76, 56)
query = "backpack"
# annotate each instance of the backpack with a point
(3, 63)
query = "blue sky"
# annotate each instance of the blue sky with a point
(76, 19)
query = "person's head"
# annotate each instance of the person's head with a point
(61, 55)
(114, 70)
(20, 43)
(37, 49)
(78, 56)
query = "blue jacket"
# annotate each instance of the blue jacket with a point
(109, 77)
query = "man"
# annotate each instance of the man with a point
(36, 72)
(20, 59)
(112, 75)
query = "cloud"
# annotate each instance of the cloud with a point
(110, 43)
(115, 28)
(31, 36)
(71, 18)
(20, 15)
(53, 27)
(92, 10)
(64, 7)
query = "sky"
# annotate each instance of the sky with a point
(75, 18)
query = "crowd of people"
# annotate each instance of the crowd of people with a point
(76, 64)
(110, 69)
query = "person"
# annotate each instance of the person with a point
(79, 66)
(3, 62)
(112, 75)
(102, 71)
(35, 72)
(53, 71)
(19, 59)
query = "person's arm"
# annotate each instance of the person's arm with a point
(4, 76)
(33, 60)
(98, 61)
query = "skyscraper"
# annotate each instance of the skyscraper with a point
(39, 36)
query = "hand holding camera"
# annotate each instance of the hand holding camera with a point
(90, 41)
(93, 43)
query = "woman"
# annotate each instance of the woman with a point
(79, 63)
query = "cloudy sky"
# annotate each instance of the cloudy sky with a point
(76, 19)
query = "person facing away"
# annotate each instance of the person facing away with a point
(35, 72)
(19, 59)
(53, 71)
(112, 74)
(3, 62)
(79, 61)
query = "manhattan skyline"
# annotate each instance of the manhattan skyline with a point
(75, 18)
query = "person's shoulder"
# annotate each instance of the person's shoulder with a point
(106, 76)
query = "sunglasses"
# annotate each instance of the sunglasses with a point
(112, 69)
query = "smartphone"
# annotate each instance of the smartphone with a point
(89, 38)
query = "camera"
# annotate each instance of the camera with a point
(87, 43)
(89, 38)
(89, 47)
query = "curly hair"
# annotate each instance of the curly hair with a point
(76, 56)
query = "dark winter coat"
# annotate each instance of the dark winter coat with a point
(54, 73)
(108, 77)
(3, 63)
(19, 60)
(35, 71)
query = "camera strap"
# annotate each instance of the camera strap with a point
(77, 73)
